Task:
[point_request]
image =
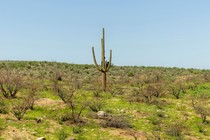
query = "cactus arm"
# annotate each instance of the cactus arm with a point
(110, 61)
(94, 58)
(103, 63)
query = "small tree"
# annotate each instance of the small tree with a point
(147, 93)
(76, 108)
(68, 95)
(10, 82)
(19, 109)
(30, 99)
(203, 110)
(177, 89)
(200, 104)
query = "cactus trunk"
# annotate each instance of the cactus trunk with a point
(105, 65)
(104, 81)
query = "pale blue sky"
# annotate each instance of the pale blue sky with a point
(169, 33)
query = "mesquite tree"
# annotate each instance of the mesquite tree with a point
(105, 65)
(10, 82)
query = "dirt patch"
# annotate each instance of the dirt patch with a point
(48, 102)
(126, 134)
(12, 133)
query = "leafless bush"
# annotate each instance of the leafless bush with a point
(19, 109)
(175, 129)
(204, 111)
(30, 100)
(135, 96)
(10, 82)
(76, 110)
(200, 104)
(116, 91)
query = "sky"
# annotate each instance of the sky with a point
(168, 33)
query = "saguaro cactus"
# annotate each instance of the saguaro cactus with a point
(105, 65)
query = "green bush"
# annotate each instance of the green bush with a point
(77, 129)
(62, 135)
(96, 105)
(154, 120)
(3, 107)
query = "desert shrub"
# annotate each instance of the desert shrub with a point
(116, 91)
(201, 127)
(30, 100)
(10, 82)
(134, 133)
(200, 105)
(77, 129)
(76, 102)
(65, 94)
(177, 89)
(150, 92)
(73, 101)
(117, 122)
(175, 129)
(154, 120)
(203, 110)
(154, 135)
(130, 74)
(135, 96)
(76, 81)
(147, 94)
(65, 116)
(62, 135)
(96, 105)
(160, 114)
(19, 109)
(3, 106)
(77, 109)
(159, 103)
(155, 89)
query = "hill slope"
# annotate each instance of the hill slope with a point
(67, 102)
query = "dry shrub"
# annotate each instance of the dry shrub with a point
(175, 129)
(117, 122)
(19, 109)
(10, 82)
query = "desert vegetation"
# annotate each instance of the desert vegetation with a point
(67, 101)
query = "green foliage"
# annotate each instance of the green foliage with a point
(3, 106)
(77, 129)
(62, 135)
(96, 104)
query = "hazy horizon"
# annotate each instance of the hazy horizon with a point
(140, 33)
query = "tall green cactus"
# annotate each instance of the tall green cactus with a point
(105, 65)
